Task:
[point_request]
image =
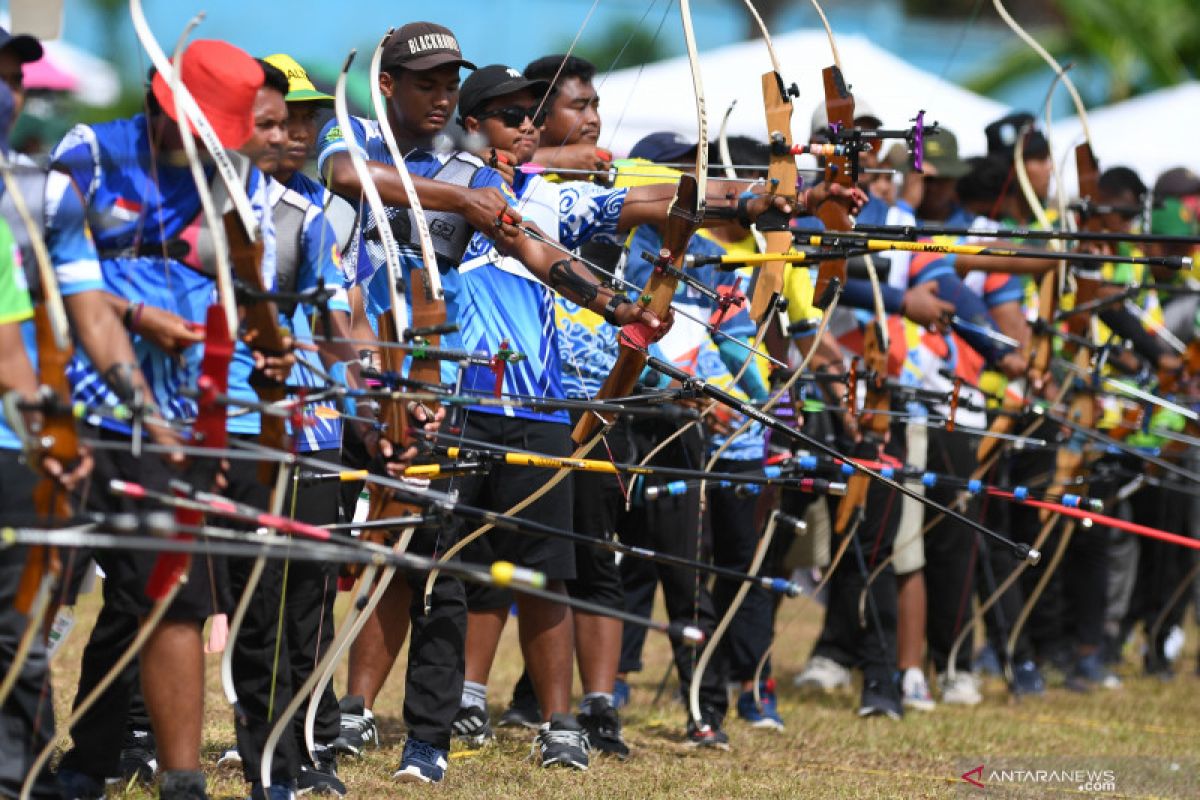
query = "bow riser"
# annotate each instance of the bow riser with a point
(834, 212)
(782, 179)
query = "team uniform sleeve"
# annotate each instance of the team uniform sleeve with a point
(68, 240)
(78, 155)
(588, 212)
(332, 140)
(486, 177)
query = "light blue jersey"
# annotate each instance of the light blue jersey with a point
(137, 214)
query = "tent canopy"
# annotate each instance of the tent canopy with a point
(658, 97)
(1151, 134)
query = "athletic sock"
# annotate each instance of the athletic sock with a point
(474, 695)
(585, 705)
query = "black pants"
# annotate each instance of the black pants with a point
(436, 640)
(669, 525)
(27, 718)
(287, 627)
(735, 536)
(1161, 566)
(99, 734)
(951, 552)
(843, 639)
(1071, 609)
(436, 643)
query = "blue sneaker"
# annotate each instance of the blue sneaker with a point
(620, 694)
(1090, 673)
(276, 791)
(987, 662)
(421, 763)
(765, 715)
(1027, 679)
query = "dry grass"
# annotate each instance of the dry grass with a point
(1145, 733)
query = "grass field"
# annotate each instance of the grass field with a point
(1139, 741)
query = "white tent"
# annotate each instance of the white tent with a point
(658, 97)
(1151, 134)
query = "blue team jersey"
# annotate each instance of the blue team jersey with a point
(71, 252)
(135, 205)
(493, 299)
(318, 264)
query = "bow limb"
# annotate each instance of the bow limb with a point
(683, 219)
(761, 667)
(383, 503)
(57, 437)
(168, 573)
(310, 689)
(1069, 461)
(710, 647)
(834, 214)
(225, 168)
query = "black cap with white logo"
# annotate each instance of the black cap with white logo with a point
(422, 46)
(494, 80)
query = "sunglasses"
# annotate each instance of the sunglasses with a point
(513, 116)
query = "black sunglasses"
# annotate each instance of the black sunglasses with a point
(513, 116)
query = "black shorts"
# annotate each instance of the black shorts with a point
(503, 487)
(599, 506)
(127, 572)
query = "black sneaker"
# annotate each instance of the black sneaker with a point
(77, 786)
(322, 777)
(138, 762)
(708, 733)
(182, 785)
(358, 728)
(562, 742)
(880, 698)
(603, 728)
(523, 712)
(472, 726)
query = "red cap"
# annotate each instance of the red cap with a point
(224, 81)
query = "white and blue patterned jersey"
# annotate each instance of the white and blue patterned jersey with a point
(493, 299)
(72, 253)
(134, 205)
(501, 301)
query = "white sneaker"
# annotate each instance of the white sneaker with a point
(914, 690)
(823, 674)
(962, 690)
(230, 757)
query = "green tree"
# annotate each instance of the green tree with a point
(1138, 46)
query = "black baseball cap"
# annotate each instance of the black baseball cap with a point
(25, 46)
(491, 81)
(663, 147)
(422, 46)
(1002, 137)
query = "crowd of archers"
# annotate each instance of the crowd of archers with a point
(466, 361)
